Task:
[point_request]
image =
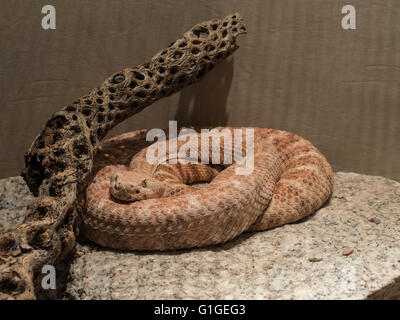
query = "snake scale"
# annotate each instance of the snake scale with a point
(291, 180)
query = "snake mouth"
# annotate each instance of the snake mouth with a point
(128, 191)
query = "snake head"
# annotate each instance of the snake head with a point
(130, 186)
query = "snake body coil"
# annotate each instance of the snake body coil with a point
(291, 180)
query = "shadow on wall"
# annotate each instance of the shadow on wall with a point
(204, 104)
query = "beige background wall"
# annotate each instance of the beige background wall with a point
(296, 69)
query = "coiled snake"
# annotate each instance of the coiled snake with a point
(150, 206)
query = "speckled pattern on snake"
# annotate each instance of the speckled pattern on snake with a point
(291, 180)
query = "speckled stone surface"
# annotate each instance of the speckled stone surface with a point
(350, 249)
(14, 197)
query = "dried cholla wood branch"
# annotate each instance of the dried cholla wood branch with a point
(59, 163)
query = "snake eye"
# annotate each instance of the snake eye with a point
(144, 183)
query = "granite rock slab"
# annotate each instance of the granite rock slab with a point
(14, 198)
(349, 249)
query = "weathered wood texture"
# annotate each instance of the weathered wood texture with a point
(59, 164)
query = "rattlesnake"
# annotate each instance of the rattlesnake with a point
(291, 180)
